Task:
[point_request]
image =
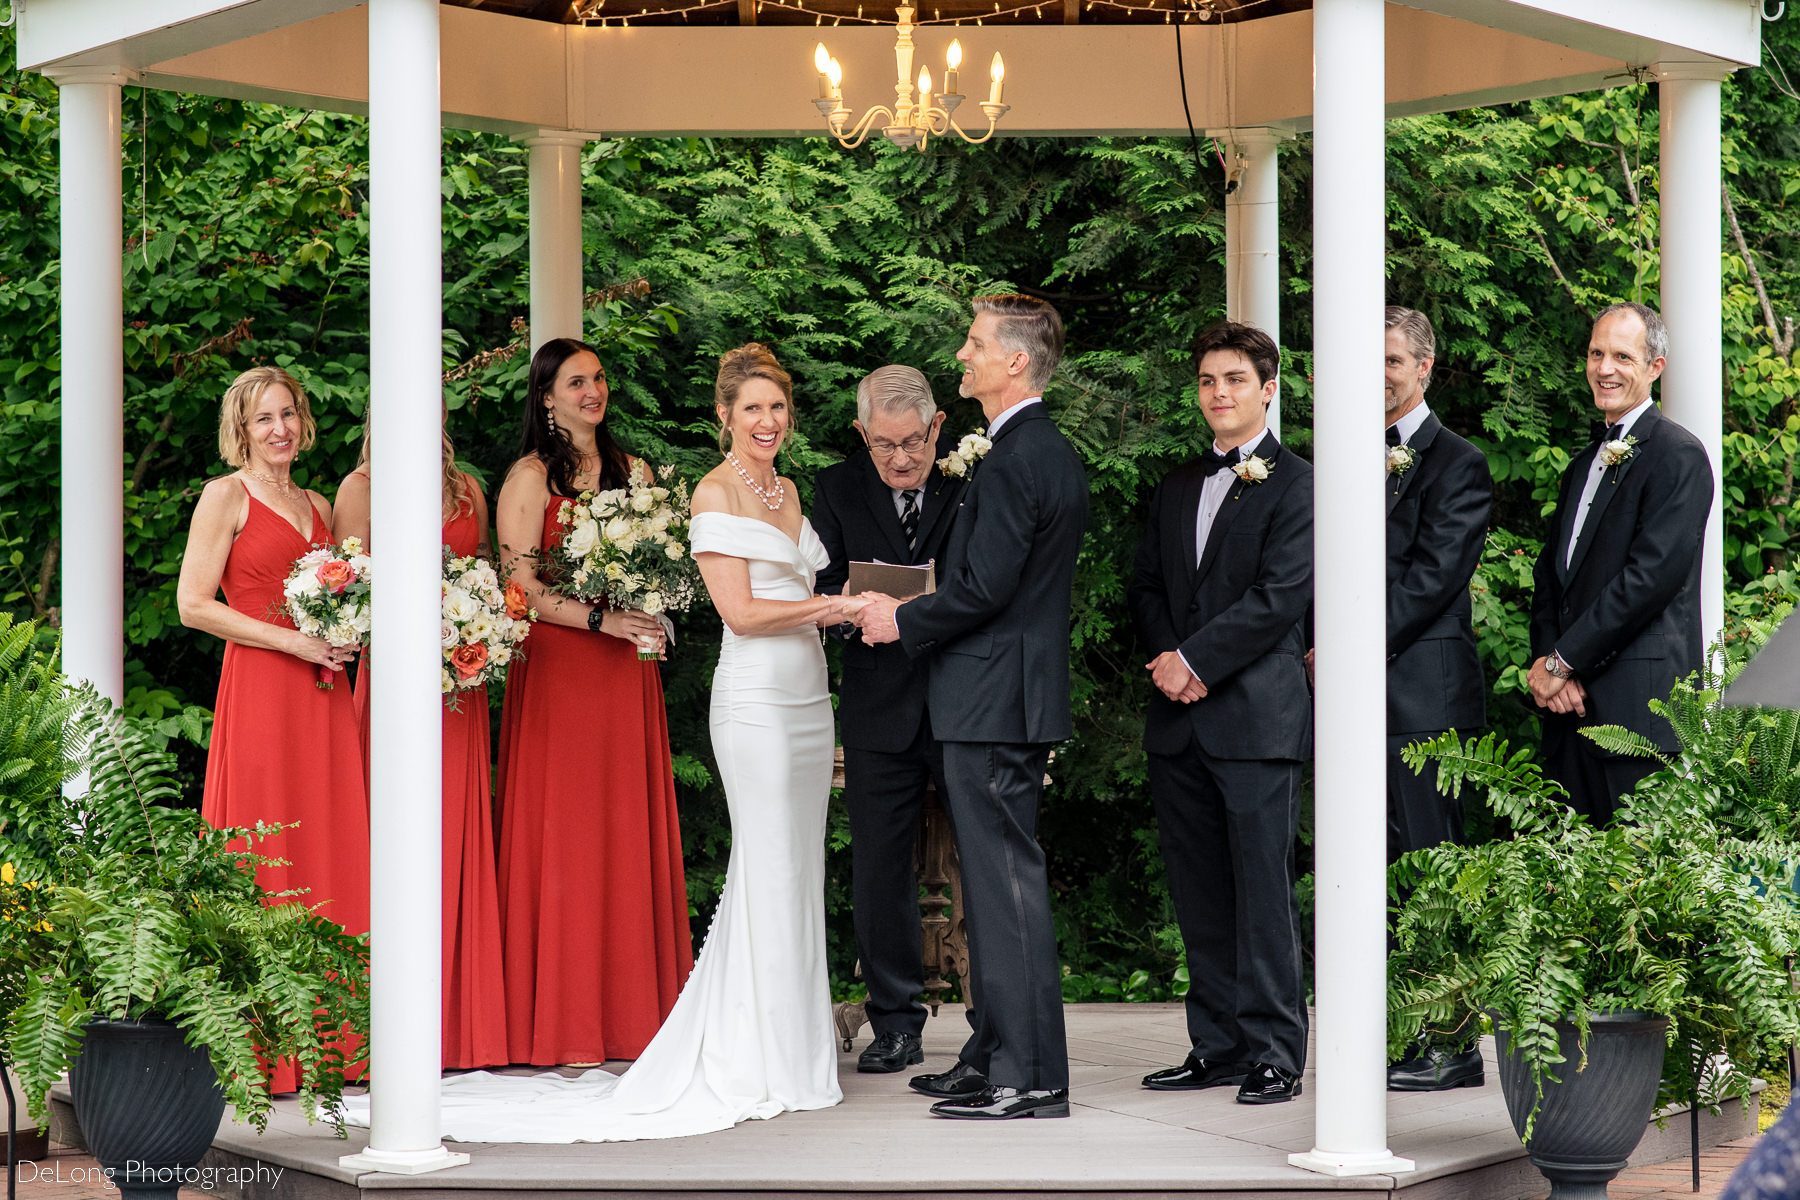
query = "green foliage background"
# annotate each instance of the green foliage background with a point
(1508, 226)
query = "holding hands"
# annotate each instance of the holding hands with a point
(877, 618)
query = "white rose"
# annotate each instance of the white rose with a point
(617, 529)
(521, 629)
(653, 603)
(361, 565)
(459, 606)
(643, 501)
(1254, 469)
(447, 636)
(661, 493)
(662, 520)
(582, 540)
(500, 655)
(675, 550)
(479, 630)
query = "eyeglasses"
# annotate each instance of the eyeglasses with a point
(911, 446)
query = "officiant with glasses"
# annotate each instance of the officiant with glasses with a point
(888, 504)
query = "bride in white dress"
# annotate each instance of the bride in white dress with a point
(751, 1034)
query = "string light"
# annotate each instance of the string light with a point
(589, 13)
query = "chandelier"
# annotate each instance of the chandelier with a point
(910, 122)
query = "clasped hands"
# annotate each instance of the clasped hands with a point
(872, 612)
(1173, 679)
(1558, 695)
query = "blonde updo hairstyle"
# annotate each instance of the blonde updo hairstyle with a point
(241, 399)
(738, 367)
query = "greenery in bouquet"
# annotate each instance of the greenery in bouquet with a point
(627, 547)
(118, 905)
(483, 626)
(328, 596)
(1668, 910)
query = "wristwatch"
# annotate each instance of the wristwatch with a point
(596, 615)
(1557, 668)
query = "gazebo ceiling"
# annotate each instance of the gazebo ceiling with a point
(846, 12)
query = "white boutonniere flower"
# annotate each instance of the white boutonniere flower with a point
(1618, 450)
(1254, 469)
(1401, 459)
(971, 450)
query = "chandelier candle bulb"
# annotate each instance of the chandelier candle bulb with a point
(837, 80)
(924, 86)
(952, 60)
(822, 63)
(997, 73)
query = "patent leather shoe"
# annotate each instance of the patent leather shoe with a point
(1438, 1069)
(960, 1080)
(1268, 1085)
(1196, 1073)
(1004, 1104)
(891, 1052)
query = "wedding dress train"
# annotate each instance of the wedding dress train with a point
(751, 1034)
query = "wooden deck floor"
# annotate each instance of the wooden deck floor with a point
(1120, 1140)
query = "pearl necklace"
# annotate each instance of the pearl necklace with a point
(779, 491)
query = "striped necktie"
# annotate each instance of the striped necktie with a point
(909, 519)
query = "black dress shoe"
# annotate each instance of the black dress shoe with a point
(1438, 1070)
(1003, 1104)
(1196, 1073)
(960, 1080)
(1268, 1085)
(891, 1052)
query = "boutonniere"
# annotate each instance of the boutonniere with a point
(1401, 459)
(1254, 469)
(1618, 450)
(971, 450)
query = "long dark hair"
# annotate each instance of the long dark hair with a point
(562, 462)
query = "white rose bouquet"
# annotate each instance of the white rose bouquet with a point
(483, 625)
(627, 547)
(328, 597)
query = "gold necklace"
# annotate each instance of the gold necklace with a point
(282, 487)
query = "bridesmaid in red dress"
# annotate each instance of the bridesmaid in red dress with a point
(593, 902)
(282, 748)
(474, 1011)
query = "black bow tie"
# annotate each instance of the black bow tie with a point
(1213, 462)
(1602, 432)
(1393, 434)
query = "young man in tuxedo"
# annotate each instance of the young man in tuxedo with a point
(995, 636)
(891, 504)
(1615, 615)
(1219, 593)
(1439, 493)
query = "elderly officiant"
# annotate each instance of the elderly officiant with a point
(887, 503)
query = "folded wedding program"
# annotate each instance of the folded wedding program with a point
(893, 579)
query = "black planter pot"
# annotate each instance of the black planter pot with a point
(147, 1103)
(1592, 1120)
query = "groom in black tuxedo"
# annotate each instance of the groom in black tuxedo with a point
(997, 636)
(1615, 615)
(891, 505)
(1439, 493)
(1219, 594)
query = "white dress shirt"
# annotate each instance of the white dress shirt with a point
(918, 495)
(1006, 414)
(1596, 469)
(1409, 424)
(1212, 499)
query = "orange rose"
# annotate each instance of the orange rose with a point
(468, 660)
(335, 575)
(516, 605)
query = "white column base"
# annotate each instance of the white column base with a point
(403, 1162)
(1344, 1165)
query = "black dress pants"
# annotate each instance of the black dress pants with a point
(1227, 830)
(994, 792)
(1594, 781)
(885, 794)
(1419, 816)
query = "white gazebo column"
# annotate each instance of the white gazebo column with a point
(554, 166)
(406, 716)
(1253, 234)
(1692, 286)
(93, 380)
(1349, 539)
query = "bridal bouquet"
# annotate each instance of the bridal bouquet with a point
(483, 622)
(627, 547)
(328, 597)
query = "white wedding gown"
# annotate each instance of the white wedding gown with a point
(751, 1033)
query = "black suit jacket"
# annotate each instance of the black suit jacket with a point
(1437, 514)
(997, 629)
(1236, 615)
(1625, 613)
(882, 700)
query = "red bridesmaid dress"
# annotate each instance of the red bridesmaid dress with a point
(474, 1009)
(593, 901)
(284, 749)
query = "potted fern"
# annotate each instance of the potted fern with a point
(132, 928)
(1654, 936)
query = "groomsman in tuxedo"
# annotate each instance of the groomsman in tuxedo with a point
(995, 637)
(1219, 593)
(891, 505)
(1439, 492)
(1615, 617)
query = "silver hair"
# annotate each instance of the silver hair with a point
(1028, 326)
(1421, 342)
(894, 389)
(1656, 334)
